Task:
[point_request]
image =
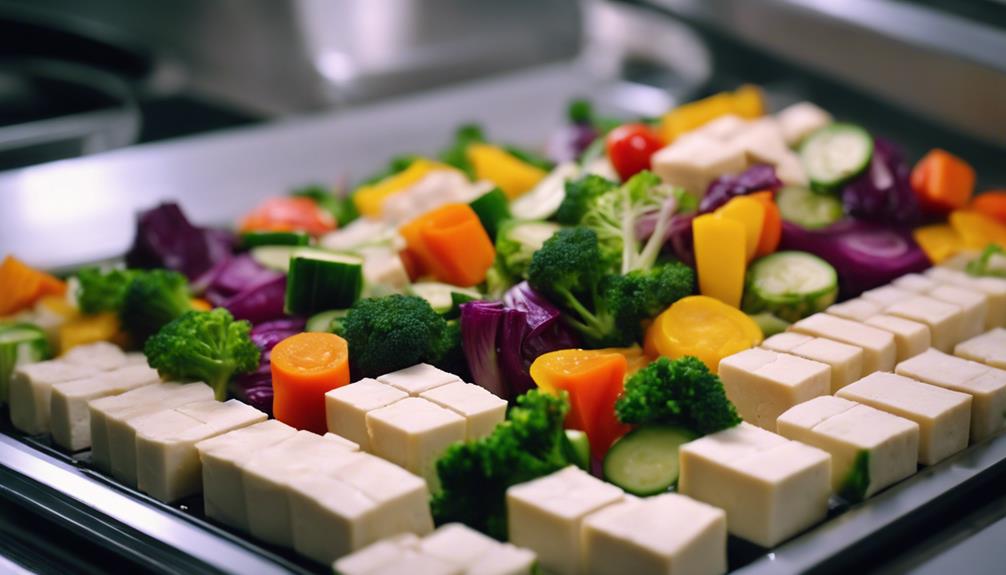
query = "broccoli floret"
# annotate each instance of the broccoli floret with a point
(475, 475)
(641, 295)
(103, 290)
(517, 242)
(393, 332)
(207, 346)
(680, 392)
(857, 480)
(991, 263)
(152, 300)
(569, 270)
(580, 197)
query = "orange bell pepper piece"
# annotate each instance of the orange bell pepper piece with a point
(771, 231)
(451, 244)
(305, 367)
(21, 286)
(992, 204)
(942, 181)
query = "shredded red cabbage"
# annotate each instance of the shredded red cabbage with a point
(754, 179)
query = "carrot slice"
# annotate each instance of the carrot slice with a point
(992, 204)
(21, 286)
(450, 243)
(305, 367)
(288, 215)
(771, 231)
(942, 181)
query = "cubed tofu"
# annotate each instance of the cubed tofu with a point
(693, 162)
(799, 120)
(457, 544)
(418, 378)
(376, 555)
(879, 350)
(762, 142)
(858, 309)
(994, 288)
(988, 348)
(864, 443)
(986, 386)
(974, 306)
(414, 433)
(887, 296)
(100, 355)
(724, 128)
(347, 444)
(31, 391)
(346, 408)
(545, 515)
(917, 283)
(910, 337)
(113, 439)
(945, 320)
(346, 509)
(384, 267)
(846, 360)
(668, 533)
(944, 416)
(770, 487)
(267, 477)
(222, 458)
(415, 563)
(762, 384)
(136, 358)
(482, 410)
(167, 463)
(69, 416)
(505, 559)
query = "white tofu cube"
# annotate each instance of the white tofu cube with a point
(384, 267)
(910, 337)
(917, 283)
(800, 120)
(770, 487)
(864, 443)
(100, 355)
(887, 296)
(879, 351)
(724, 128)
(505, 559)
(222, 458)
(414, 433)
(345, 443)
(69, 416)
(415, 563)
(457, 544)
(944, 416)
(693, 162)
(376, 555)
(482, 410)
(858, 309)
(31, 391)
(974, 306)
(945, 320)
(846, 360)
(762, 384)
(988, 348)
(418, 378)
(986, 386)
(346, 408)
(762, 142)
(136, 358)
(167, 463)
(668, 533)
(994, 288)
(545, 515)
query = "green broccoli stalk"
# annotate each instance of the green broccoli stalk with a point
(640, 295)
(102, 291)
(393, 332)
(207, 346)
(152, 300)
(991, 262)
(680, 392)
(516, 243)
(580, 197)
(475, 475)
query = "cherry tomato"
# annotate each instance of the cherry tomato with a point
(630, 148)
(285, 214)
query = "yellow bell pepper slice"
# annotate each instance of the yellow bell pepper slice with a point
(977, 230)
(940, 242)
(720, 257)
(514, 176)
(703, 327)
(370, 199)
(747, 102)
(749, 212)
(89, 329)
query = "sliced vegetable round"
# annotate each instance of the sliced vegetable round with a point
(255, 239)
(324, 321)
(645, 462)
(835, 154)
(792, 285)
(807, 209)
(274, 257)
(442, 296)
(320, 281)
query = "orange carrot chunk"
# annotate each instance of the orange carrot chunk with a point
(451, 244)
(305, 367)
(992, 204)
(21, 286)
(943, 182)
(771, 230)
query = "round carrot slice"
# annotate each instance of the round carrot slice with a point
(305, 367)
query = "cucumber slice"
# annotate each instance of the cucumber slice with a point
(274, 257)
(807, 209)
(324, 322)
(20, 343)
(320, 281)
(577, 448)
(645, 462)
(791, 285)
(492, 208)
(442, 296)
(545, 198)
(255, 239)
(835, 154)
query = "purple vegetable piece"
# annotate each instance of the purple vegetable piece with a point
(266, 335)
(754, 179)
(540, 313)
(259, 302)
(884, 193)
(510, 345)
(239, 272)
(166, 239)
(255, 388)
(480, 327)
(569, 142)
(680, 238)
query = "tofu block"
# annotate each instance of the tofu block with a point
(364, 501)
(457, 544)
(505, 559)
(910, 337)
(668, 533)
(136, 358)
(345, 443)
(376, 555)
(482, 410)
(864, 443)
(167, 462)
(986, 386)
(762, 142)
(762, 384)
(945, 320)
(887, 296)
(418, 378)
(69, 416)
(346, 408)
(917, 283)
(415, 563)
(801, 119)
(944, 416)
(988, 348)
(222, 458)
(879, 351)
(414, 433)
(994, 288)
(724, 128)
(858, 309)
(770, 487)
(846, 360)
(693, 162)
(31, 391)
(111, 419)
(545, 515)
(100, 355)
(974, 306)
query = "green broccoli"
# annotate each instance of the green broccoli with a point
(207, 346)
(680, 392)
(991, 262)
(393, 332)
(475, 475)
(641, 295)
(103, 290)
(153, 299)
(857, 481)
(516, 243)
(580, 197)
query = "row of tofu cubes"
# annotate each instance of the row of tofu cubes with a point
(410, 416)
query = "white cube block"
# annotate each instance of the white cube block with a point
(724, 128)
(879, 350)
(414, 563)
(346, 408)
(457, 544)
(762, 384)
(31, 391)
(994, 288)
(973, 304)
(505, 559)
(693, 162)
(668, 533)
(414, 433)
(100, 355)
(545, 515)
(482, 410)
(910, 337)
(800, 120)
(858, 309)
(376, 555)
(846, 360)
(945, 320)
(418, 378)
(887, 296)
(988, 348)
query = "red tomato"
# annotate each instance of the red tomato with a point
(285, 214)
(630, 148)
